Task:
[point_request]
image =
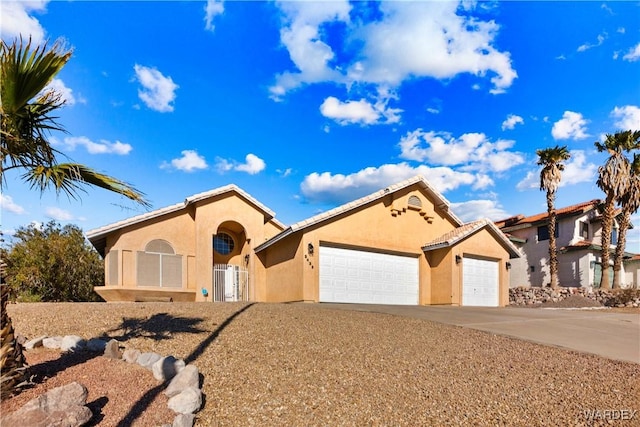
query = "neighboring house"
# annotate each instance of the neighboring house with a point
(399, 245)
(578, 233)
(632, 270)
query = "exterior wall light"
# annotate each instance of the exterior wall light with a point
(246, 259)
(205, 293)
(458, 259)
(508, 264)
(310, 248)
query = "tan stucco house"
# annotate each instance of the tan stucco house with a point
(399, 245)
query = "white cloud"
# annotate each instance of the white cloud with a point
(571, 126)
(338, 188)
(433, 110)
(301, 37)
(252, 165)
(58, 214)
(429, 39)
(212, 9)
(511, 121)
(189, 162)
(17, 20)
(102, 147)
(359, 112)
(577, 169)
(628, 117)
(476, 209)
(633, 54)
(284, 172)
(349, 112)
(406, 40)
(7, 204)
(158, 92)
(472, 150)
(586, 46)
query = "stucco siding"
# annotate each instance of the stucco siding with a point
(441, 262)
(571, 269)
(284, 270)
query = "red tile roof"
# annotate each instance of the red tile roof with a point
(569, 210)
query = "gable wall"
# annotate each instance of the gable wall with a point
(447, 275)
(371, 227)
(210, 215)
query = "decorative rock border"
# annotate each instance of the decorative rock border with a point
(528, 296)
(183, 389)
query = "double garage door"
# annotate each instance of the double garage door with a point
(354, 276)
(362, 277)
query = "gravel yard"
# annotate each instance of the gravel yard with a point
(298, 364)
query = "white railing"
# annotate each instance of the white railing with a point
(230, 283)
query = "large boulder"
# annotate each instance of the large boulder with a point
(188, 377)
(167, 368)
(61, 407)
(186, 402)
(148, 359)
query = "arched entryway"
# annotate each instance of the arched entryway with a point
(230, 263)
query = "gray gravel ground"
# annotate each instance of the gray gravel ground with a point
(298, 364)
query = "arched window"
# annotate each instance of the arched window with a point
(159, 247)
(223, 243)
(159, 265)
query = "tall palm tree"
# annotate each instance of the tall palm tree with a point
(613, 180)
(550, 176)
(630, 203)
(27, 117)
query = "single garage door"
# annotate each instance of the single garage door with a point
(479, 282)
(353, 276)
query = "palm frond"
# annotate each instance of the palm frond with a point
(70, 178)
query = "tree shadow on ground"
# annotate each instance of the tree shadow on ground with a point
(143, 403)
(40, 372)
(160, 326)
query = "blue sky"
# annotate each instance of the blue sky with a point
(307, 105)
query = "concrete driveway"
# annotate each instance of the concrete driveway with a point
(612, 335)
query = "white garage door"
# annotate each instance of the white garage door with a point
(352, 276)
(479, 282)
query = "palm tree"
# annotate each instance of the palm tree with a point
(630, 203)
(27, 117)
(550, 176)
(613, 180)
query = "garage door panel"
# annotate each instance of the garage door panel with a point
(480, 282)
(371, 278)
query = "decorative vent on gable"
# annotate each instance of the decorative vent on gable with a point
(415, 202)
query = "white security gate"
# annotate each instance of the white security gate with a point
(480, 282)
(230, 283)
(352, 276)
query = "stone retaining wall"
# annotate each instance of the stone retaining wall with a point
(609, 298)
